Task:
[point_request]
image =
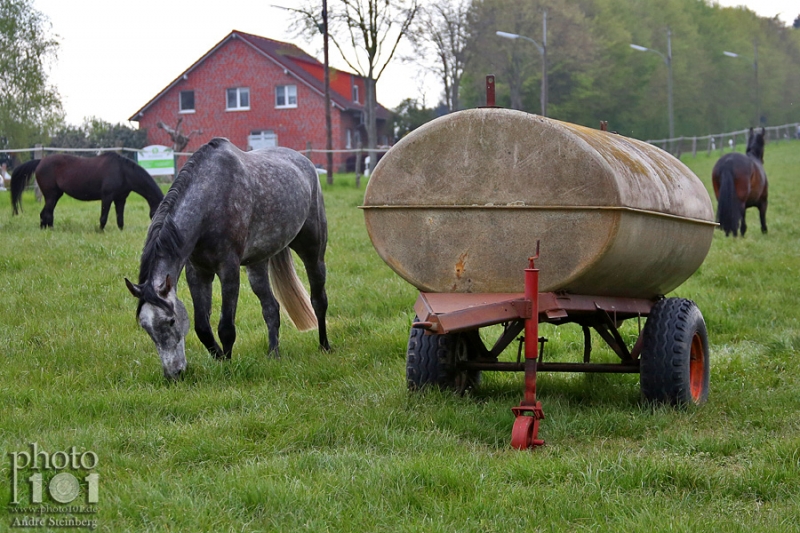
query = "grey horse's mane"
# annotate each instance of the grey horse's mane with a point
(163, 237)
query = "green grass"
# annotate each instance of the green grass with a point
(335, 442)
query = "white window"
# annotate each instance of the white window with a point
(186, 104)
(349, 139)
(355, 93)
(238, 98)
(286, 96)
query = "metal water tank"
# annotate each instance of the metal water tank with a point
(459, 204)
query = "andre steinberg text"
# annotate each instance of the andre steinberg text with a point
(40, 481)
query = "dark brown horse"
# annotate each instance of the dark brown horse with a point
(740, 182)
(109, 177)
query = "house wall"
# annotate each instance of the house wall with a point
(341, 82)
(236, 64)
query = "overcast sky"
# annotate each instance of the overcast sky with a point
(113, 59)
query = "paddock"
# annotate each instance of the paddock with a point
(335, 441)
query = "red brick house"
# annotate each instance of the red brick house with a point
(258, 92)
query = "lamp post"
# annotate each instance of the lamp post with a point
(542, 50)
(668, 61)
(755, 71)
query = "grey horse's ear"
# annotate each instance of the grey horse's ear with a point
(166, 287)
(136, 290)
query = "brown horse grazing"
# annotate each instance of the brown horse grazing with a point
(740, 182)
(109, 177)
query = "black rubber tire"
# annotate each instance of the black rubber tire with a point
(674, 367)
(432, 360)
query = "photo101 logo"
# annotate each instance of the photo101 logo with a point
(58, 489)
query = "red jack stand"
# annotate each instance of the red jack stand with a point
(525, 433)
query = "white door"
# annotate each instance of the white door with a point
(262, 139)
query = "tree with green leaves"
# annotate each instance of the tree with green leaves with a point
(408, 116)
(97, 133)
(594, 74)
(30, 108)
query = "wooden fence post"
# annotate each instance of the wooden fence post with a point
(358, 167)
(38, 153)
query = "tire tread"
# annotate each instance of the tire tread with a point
(668, 334)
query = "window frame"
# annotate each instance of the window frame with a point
(181, 110)
(286, 97)
(239, 92)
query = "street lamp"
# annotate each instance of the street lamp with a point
(668, 61)
(755, 70)
(542, 50)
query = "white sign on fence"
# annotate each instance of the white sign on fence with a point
(158, 160)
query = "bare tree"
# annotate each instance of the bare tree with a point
(179, 139)
(366, 33)
(441, 31)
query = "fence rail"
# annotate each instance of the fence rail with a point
(676, 146)
(97, 151)
(720, 141)
(361, 166)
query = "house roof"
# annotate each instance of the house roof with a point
(295, 61)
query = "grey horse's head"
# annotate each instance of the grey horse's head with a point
(163, 316)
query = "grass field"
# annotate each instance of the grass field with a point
(334, 442)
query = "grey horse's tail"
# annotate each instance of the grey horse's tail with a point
(291, 294)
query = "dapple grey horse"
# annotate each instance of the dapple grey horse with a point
(228, 208)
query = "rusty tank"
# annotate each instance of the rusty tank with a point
(459, 204)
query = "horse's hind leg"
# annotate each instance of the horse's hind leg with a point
(743, 223)
(319, 298)
(46, 216)
(258, 275)
(200, 284)
(119, 207)
(316, 271)
(762, 213)
(105, 207)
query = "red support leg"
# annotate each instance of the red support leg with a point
(524, 435)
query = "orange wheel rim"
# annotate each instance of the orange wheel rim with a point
(697, 368)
